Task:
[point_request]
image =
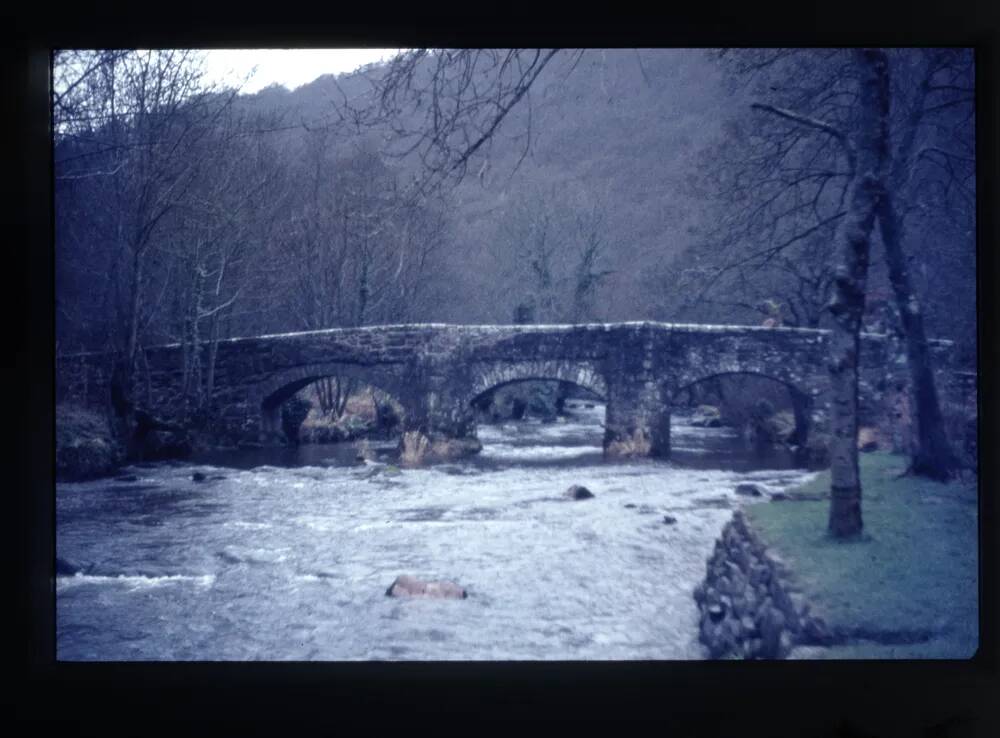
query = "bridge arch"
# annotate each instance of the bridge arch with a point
(585, 374)
(802, 391)
(270, 394)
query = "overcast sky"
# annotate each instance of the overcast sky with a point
(288, 67)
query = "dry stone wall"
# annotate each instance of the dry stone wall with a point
(746, 609)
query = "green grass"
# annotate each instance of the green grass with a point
(915, 568)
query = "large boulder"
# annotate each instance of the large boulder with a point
(407, 586)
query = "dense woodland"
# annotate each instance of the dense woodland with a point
(626, 185)
(505, 186)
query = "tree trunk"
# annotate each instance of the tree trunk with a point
(848, 302)
(847, 307)
(324, 393)
(932, 455)
(213, 354)
(345, 388)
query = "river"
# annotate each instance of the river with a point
(286, 554)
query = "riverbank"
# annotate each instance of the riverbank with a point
(86, 448)
(908, 589)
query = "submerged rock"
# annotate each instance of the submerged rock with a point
(749, 489)
(669, 519)
(578, 492)
(407, 586)
(198, 477)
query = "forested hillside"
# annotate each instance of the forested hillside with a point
(606, 194)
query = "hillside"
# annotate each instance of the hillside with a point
(620, 129)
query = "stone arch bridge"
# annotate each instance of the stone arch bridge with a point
(436, 372)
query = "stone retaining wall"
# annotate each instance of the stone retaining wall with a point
(747, 610)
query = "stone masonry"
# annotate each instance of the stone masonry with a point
(436, 371)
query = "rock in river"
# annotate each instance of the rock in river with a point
(407, 586)
(579, 492)
(750, 490)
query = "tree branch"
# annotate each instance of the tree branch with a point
(805, 120)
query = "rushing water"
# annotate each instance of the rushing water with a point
(286, 554)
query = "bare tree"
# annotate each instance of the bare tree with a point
(125, 124)
(785, 183)
(360, 251)
(942, 99)
(215, 243)
(444, 106)
(550, 255)
(868, 148)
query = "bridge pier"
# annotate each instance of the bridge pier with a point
(270, 430)
(638, 420)
(438, 427)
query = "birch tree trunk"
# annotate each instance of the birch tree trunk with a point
(848, 301)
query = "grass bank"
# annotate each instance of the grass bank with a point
(913, 575)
